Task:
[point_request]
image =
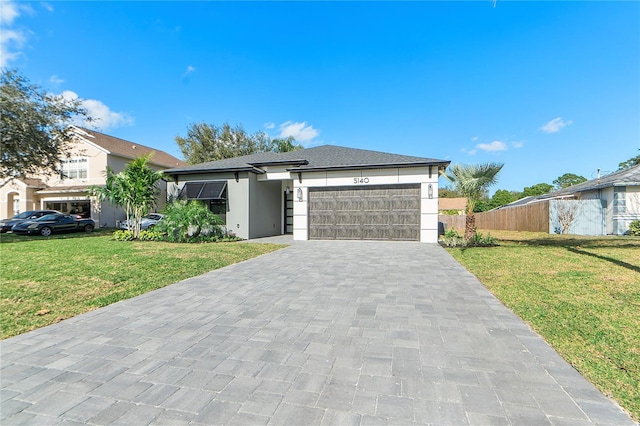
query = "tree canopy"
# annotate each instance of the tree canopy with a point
(633, 161)
(206, 142)
(473, 181)
(537, 189)
(567, 180)
(501, 197)
(36, 130)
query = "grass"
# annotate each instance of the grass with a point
(582, 294)
(48, 279)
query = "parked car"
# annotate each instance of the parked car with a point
(57, 222)
(147, 222)
(7, 224)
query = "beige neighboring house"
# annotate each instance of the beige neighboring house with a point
(449, 205)
(67, 191)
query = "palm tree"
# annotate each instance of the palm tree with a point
(472, 181)
(135, 189)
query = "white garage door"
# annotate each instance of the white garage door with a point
(386, 212)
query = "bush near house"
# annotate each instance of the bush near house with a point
(634, 228)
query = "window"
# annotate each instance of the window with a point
(73, 168)
(619, 200)
(214, 193)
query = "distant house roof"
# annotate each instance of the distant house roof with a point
(127, 149)
(627, 177)
(33, 182)
(325, 157)
(452, 203)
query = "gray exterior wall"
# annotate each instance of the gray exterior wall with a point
(265, 207)
(237, 198)
(589, 216)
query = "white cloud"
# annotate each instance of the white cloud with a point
(9, 11)
(13, 39)
(493, 146)
(190, 69)
(54, 79)
(103, 117)
(555, 125)
(517, 144)
(301, 131)
(269, 125)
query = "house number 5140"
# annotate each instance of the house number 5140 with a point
(360, 180)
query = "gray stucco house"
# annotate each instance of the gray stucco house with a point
(326, 192)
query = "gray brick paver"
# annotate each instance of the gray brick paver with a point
(399, 334)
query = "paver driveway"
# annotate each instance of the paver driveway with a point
(317, 333)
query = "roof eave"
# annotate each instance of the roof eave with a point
(279, 163)
(255, 170)
(369, 166)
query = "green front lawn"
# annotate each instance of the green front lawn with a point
(582, 294)
(45, 280)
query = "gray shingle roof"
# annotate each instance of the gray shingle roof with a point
(325, 157)
(628, 177)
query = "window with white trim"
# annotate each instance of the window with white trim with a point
(619, 200)
(74, 168)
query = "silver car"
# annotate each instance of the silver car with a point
(147, 222)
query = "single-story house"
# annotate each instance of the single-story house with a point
(325, 192)
(452, 206)
(67, 191)
(618, 196)
(601, 206)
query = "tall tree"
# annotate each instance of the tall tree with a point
(568, 179)
(501, 197)
(633, 161)
(473, 181)
(135, 189)
(285, 144)
(537, 189)
(205, 142)
(36, 131)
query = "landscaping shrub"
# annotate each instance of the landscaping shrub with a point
(634, 228)
(453, 239)
(190, 221)
(123, 235)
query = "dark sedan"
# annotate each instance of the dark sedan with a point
(7, 224)
(47, 225)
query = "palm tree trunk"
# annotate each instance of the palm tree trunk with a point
(470, 227)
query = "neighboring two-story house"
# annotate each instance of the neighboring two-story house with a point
(85, 166)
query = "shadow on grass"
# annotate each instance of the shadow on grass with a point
(9, 238)
(607, 259)
(596, 242)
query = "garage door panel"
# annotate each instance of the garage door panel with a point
(376, 218)
(376, 204)
(405, 218)
(405, 203)
(323, 217)
(390, 212)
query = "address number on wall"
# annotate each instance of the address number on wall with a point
(360, 180)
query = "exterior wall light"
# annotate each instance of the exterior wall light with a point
(288, 190)
(430, 191)
(299, 194)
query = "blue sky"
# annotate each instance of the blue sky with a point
(544, 87)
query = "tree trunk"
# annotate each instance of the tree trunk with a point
(470, 227)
